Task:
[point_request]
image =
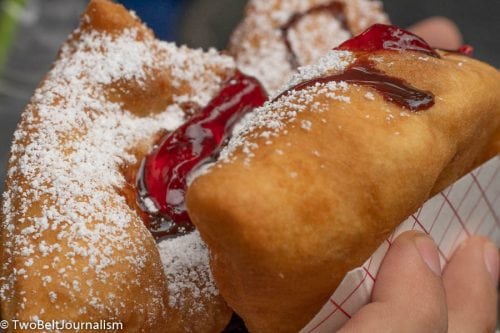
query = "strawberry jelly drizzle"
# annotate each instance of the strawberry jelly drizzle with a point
(392, 89)
(465, 50)
(387, 37)
(163, 174)
(381, 37)
(336, 8)
(391, 38)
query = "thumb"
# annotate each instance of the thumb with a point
(408, 295)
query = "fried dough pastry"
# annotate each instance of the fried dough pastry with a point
(73, 246)
(277, 36)
(314, 182)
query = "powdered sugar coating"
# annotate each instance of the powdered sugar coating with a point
(259, 47)
(331, 63)
(64, 178)
(275, 117)
(331, 33)
(180, 266)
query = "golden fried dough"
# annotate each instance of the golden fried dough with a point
(317, 179)
(72, 246)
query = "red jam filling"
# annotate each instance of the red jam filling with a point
(381, 37)
(387, 37)
(337, 10)
(392, 89)
(162, 178)
(465, 50)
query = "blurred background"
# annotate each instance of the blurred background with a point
(31, 32)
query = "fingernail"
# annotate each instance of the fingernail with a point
(491, 260)
(428, 251)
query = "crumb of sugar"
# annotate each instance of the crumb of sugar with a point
(306, 125)
(370, 96)
(73, 181)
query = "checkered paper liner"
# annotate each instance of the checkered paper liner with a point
(471, 206)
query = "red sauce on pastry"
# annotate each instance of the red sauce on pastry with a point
(391, 38)
(465, 50)
(381, 37)
(163, 175)
(337, 9)
(394, 90)
(387, 37)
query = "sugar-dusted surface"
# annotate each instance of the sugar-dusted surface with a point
(274, 117)
(320, 28)
(259, 47)
(330, 63)
(186, 269)
(66, 227)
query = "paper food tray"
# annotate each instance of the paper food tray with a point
(468, 207)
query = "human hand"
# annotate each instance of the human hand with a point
(413, 294)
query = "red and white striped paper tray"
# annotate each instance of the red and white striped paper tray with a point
(468, 207)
